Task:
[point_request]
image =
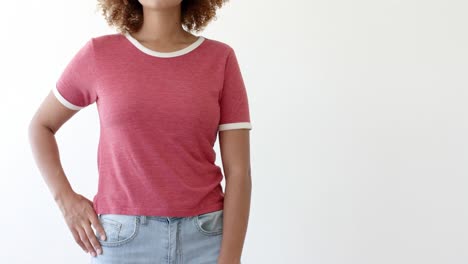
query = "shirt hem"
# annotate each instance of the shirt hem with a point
(159, 211)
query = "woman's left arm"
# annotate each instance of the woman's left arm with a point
(235, 153)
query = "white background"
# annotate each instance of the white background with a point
(359, 146)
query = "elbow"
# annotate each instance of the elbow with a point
(239, 175)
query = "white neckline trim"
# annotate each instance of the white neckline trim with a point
(154, 53)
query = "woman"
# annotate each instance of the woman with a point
(162, 95)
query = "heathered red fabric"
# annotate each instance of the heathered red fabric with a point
(159, 116)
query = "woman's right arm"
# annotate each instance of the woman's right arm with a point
(77, 210)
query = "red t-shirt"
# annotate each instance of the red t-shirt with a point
(159, 115)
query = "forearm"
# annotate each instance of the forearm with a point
(46, 155)
(235, 217)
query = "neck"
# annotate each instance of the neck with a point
(162, 24)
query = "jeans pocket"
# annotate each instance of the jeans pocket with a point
(119, 228)
(210, 223)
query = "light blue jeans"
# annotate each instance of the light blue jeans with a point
(160, 239)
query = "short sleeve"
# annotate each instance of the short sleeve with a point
(75, 87)
(234, 105)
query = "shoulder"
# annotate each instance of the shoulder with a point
(218, 48)
(218, 44)
(105, 44)
(106, 39)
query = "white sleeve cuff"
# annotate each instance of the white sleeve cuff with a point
(238, 125)
(64, 101)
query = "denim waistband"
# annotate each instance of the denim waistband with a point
(169, 219)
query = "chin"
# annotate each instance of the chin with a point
(159, 4)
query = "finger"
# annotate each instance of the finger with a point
(84, 238)
(92, 238)
(78, 240)
(98, 226)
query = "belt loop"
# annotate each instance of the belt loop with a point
(143, 219)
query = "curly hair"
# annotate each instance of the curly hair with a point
(127, 15)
